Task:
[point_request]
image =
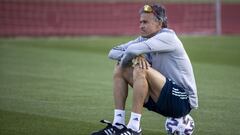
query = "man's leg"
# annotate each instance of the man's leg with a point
(156, 81)
(121, 78)
(140, 89)
(145, 81)
(140, 92)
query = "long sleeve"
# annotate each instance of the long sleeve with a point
(133, 51)
(117, 53)
(162, 42)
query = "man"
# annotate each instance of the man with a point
(158, 69)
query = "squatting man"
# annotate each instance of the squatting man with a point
(158, 69)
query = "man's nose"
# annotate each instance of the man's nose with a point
(141, 26)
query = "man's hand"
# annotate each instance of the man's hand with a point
(141, 61)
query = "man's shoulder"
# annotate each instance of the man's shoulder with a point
(166, 33)
(166, 30)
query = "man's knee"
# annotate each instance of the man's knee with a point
(117, 71)
(122, 72)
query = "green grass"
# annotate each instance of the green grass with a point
(53, 86)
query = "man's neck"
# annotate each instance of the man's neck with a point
(153, 34)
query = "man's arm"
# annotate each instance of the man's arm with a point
(132, 52)
(117, 53)
(159, 43)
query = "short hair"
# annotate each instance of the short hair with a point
(158, 11)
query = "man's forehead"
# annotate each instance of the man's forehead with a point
(146, 16)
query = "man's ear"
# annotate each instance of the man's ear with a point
(160, 24)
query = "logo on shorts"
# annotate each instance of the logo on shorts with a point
(178, 93)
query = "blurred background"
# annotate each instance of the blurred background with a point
(113, 17)
(56, 79)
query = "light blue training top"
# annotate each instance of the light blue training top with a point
(166, 54)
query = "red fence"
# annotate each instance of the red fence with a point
(231, 19)
(74, 18)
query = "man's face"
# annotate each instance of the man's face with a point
(148, 25)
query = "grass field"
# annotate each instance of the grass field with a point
(63, 86)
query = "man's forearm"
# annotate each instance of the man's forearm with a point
(132, 52)
(115, 54)
(127, 59)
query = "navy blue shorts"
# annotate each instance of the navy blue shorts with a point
(172, 102)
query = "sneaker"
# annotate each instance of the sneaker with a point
(127, 131)
(108, 130)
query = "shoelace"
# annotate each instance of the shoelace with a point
(109, 129)
(124, 128)
(127, 131)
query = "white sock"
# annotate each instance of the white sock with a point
(119, 117)
(134, 122)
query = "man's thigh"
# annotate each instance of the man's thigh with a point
(155, 79)
(156, 82)
(172, 102)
